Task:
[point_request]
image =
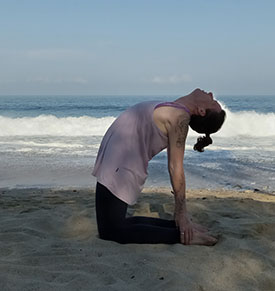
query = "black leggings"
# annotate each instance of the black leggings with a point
(113, 225)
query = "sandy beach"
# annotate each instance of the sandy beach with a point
(48, 241)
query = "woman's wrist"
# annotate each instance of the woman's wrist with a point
(180, 208)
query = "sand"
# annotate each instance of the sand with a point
(48, 241)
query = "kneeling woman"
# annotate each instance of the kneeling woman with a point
(134, 138)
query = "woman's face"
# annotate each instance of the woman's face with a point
(211, 103)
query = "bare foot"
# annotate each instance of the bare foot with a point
(199, 227)
(200, 238)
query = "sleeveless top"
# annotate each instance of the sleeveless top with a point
(174, 104)
(129, 144)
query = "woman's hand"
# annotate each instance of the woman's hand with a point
(185, 226)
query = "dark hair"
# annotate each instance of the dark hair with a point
(209, 123)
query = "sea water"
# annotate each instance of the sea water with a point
(52, 141)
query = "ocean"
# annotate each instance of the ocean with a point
(52, 141)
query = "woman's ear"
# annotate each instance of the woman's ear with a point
(201, 111)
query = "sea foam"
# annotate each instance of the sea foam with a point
(242, 123)
(248, 123)
(51, 125)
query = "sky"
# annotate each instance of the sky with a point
(142, 47)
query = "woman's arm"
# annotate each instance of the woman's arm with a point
(177, 132)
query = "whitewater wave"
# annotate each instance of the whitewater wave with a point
(248, 123)
(243, 123)
(50, 125)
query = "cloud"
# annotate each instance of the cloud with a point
(46, 80)
(52, 54)
(47, 54)
(80, 81)
(173, 79)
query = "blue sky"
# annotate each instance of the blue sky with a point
(137, 47)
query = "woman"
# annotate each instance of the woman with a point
(135, 137)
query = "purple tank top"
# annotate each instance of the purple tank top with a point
(174, 104)
(128, 145)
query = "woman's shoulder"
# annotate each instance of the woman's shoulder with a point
(169, 118)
